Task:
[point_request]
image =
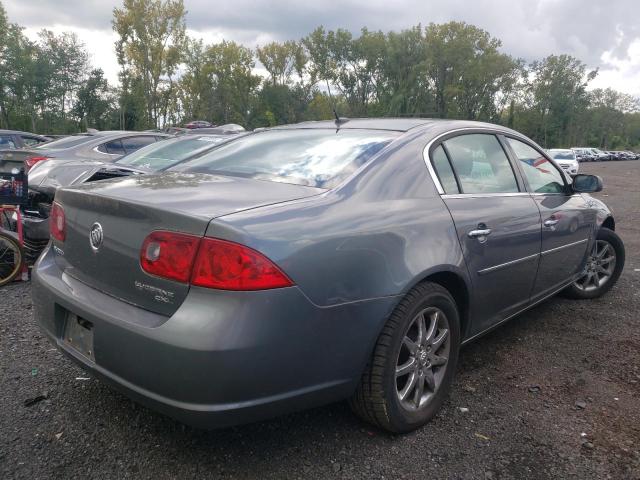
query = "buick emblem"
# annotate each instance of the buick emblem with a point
(96, 236)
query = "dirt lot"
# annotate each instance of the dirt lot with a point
(554, 393)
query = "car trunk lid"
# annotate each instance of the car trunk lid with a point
(128, 210)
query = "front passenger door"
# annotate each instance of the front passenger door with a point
(567, 220)
(497, 222)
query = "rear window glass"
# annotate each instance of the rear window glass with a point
(314, 157)
(66, 142)
(167, 153)
(6, 142)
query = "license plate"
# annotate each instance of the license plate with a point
(78, 334)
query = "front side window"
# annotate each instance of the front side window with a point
(541, 174)
(319, 158)
(481, 164)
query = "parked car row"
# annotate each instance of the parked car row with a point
(226, 278)
(596, 155)
(13, 139)
(82, 158)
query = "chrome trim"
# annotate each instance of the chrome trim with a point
(484, 271)
(427, 160)
(95, 149)
(485, 195)
(562, 247)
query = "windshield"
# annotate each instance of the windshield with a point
(66, 142)
(164, 154)
(314, 157)
(562, 155)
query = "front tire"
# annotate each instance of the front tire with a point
(413, 363)
(603, 268)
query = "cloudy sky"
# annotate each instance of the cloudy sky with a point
(603, 34)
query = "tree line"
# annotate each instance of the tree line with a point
(450, 70)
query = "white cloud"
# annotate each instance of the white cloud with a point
(99, 43)
(602, 34)
(620, 74)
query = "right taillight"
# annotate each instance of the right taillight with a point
(57, 222)
(231, 266)
(209, 262)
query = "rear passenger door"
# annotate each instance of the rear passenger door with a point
(496, 220)
(567, 220)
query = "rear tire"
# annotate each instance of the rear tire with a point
(604, 266)
(11, 259)
(413, 363)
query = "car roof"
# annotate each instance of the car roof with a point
(20, 132)
(396, 124)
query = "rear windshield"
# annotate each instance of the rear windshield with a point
(66, 142)
(167, 153)
(314, 157)
(562, 155)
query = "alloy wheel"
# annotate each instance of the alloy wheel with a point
(422, 359)
(600, 267)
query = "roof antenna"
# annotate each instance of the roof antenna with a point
(333, 108)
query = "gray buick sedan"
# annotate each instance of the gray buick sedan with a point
(316, 262)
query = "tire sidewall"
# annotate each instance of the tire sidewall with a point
(402, 419)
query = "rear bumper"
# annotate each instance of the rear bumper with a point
(222, 358)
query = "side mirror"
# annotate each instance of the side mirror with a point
(587, 183)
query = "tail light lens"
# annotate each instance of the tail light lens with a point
(57, 222)
(209, 262)
(169, 255)
(231, 266)
(31, 161)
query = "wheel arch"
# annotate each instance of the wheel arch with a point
(456, 284)
(609, 223)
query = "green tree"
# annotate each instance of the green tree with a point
(557, 87)
(150, 45)
(468, 75)
(94, 101)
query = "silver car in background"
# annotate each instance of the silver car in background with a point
(566, 159)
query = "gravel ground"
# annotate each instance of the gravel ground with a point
(554, 393)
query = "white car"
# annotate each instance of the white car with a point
(566, 159)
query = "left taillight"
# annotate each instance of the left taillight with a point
(169, 255)
(31, 161)
(57, 222)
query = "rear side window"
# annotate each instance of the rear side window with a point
(6, 142)
(131, 144)
(481, 164)
(31, 141)
(541, 174)
(114, 147)
(444, 171)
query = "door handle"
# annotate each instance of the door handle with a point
(479, 233)
(551, 222)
